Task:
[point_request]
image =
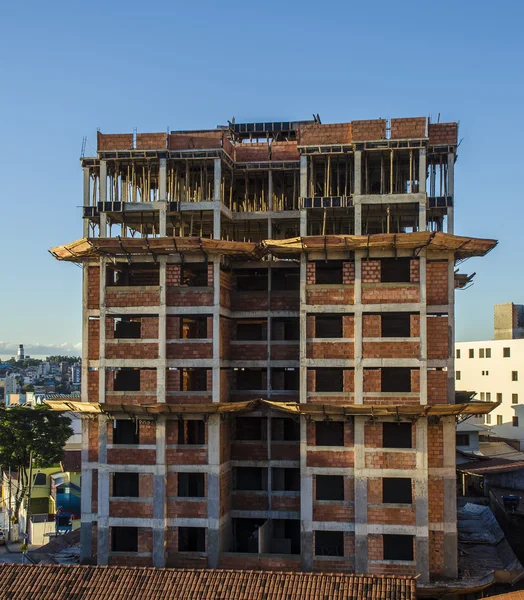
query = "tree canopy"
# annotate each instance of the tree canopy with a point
(31, 433)
(60, 359)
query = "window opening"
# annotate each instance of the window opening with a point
(396, 490)
(329, 433)
(328, 327)
(329, 543)
(329, 273)
(285, 430)
(329, 380)
(193, 328)
(250, 429)
(191, 485)
(286, 480)
(329, 487)
(251, 331)
(397, 435)
(127, 380)
(124, 539)
(396, 324)
(125, 485)
(251, 280)
(252, 479)
(127, 328)
(398, 547)
(396, 379)
(125, 432)
(506, 352)
(285, 279)
(191, 539)
(194, 380)
(285, 329)
(191, 432)
(193, 275)
(395, 270)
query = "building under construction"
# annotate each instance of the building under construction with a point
(268, 323)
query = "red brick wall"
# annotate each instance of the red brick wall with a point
(373, 129)
(317, 134)
(391, 349)
(334, 349)
(114, 141)
(186, 456)
(245, 351)
(284, 150)
(131, 456)
(436, 446)
(149, 328)
(285, 300)
(225, 492)
(249, 301)
(190, 350)
(371, 271)
(437, 387)
(151, 141)
(132, 296)
(438, 340)
(92, 443)
(330, 295)
(408, 128)
(131, 351)
(92, 386)
(289, 351)
(93, 339)
(334, 458)
(437, 282)
(121, 508)
(387, 293)
(183, 296)
(93, 287)
(391, 516)
(225, 289)
(182, 509)
(252, 152)
(435, 500)
(371, 326)
(256, 562)
(249, 501)
(443, 133)
(436, 553)
(195, 139)
(390, 460)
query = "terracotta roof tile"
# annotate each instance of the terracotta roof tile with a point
(60, 582)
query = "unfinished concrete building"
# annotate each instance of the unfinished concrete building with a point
(268, 323)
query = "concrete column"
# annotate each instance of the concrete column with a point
(306, 502)
(361, 498)
(86, 497)
(87, 199)
(303, 332)
(451, 192)
(422, 171)
(103, 494)
(85, 339)
(358, 334)
(303, 194)
(159, 495)
(213, 491)
(451, 330)
(102, 328)
(358, 173)
(216, 331)
(423, 330)
(161, 373)
(450, 499)
(217, 199)
(421, 499)
(357, 192)
(270, 205)
(103, 198)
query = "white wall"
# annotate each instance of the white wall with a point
(497, 379)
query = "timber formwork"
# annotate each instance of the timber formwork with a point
(268, 324)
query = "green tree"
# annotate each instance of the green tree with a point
(37, 434)
(28, 387)
(60, 359)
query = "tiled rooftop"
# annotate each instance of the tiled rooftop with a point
(58, 582)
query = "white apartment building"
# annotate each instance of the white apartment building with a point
(494, 369)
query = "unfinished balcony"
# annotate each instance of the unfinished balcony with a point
(390, 281)
(189, 284)
(391, 335)
(330, 282)
(133, 285)
(190, 337)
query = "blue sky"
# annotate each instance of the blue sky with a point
(67, 68)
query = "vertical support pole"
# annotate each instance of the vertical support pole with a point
(87, 200)
(422, 217)
(421, 499)
(162, 188)
(102, 231)
(159, 495)
(451, 193)
(361, 498)
(451, 330)
(270, 204)
(217, 198)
